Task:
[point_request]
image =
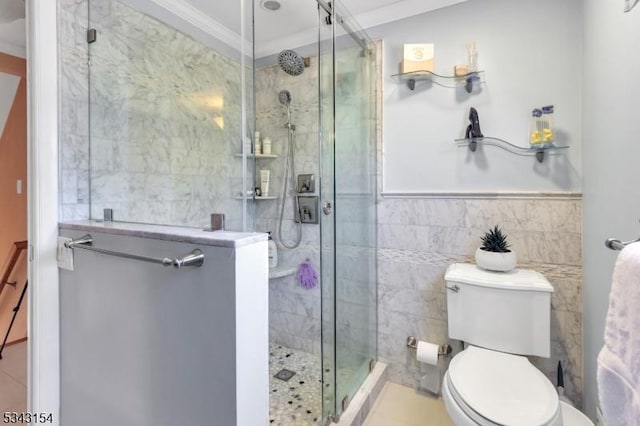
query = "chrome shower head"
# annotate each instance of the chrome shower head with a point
(284, 97)
(291, 62)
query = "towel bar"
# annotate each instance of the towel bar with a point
(615, 244)
(195, 258)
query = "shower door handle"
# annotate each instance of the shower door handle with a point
(327, 208)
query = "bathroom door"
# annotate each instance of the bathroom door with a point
(348, 191)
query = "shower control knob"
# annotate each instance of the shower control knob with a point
(327, 208)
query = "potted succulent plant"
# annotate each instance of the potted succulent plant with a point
(494, 254)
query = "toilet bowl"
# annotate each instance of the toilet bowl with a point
(572, 417)
(502, 317)
(487, 388)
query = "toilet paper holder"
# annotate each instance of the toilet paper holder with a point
(412, 342)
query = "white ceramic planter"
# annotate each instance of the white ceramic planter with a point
(493, 261)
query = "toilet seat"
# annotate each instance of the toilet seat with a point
(495, 388)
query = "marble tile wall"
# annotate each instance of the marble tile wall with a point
(74, 109)
(165, 121)
(419, 238)
(294, 311)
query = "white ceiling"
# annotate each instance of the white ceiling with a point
(295, 24)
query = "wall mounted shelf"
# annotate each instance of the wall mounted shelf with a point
(258, 156)
(281, 271)
(468, 81)
(538, 152)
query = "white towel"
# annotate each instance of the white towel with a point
(619, 359)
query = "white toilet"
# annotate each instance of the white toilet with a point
(501, 316)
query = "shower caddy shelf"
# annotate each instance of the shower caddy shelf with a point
(257, 157)
(468, 81)
(281, 271)
(538, 152)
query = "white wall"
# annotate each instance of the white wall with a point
(9, 84)
(531, 52)
(611, 151)
(13, 38)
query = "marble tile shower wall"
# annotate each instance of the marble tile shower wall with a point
(294, 311)
(295, 316)
(74, 109)
(165, 123)
(419, 238)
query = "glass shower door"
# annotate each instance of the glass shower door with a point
(348, 192)
(327, 218)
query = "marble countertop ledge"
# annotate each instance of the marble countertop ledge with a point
(168, 233)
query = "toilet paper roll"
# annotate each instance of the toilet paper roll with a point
(427, 353)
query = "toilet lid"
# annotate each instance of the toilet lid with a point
(503, 388)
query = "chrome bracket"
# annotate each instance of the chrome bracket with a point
(345, 403)
(92, 35)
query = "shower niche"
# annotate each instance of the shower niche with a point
(306, 206)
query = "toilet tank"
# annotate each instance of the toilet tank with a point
(503, 311)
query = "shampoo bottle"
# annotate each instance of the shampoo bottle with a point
(273, 252)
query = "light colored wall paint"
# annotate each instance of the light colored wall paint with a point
(611, 151)
(531, 52)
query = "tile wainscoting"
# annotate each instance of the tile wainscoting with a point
(419, 238)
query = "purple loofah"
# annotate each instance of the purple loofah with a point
(307, 276)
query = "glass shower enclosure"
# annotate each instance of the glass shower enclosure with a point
(348, 198)
(172, 119)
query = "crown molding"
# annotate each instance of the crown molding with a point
(401, 10)
(393, 12)
(199, 20)
(383, 15)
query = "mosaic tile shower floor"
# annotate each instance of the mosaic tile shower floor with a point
(297, 401)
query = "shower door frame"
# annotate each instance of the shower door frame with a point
(329, 261)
